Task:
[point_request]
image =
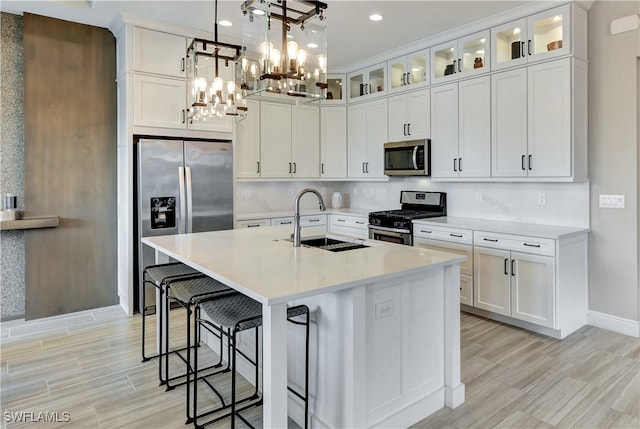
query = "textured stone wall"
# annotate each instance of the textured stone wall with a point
(11, 162)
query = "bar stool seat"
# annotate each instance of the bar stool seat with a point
(237, 313)
(158, 275)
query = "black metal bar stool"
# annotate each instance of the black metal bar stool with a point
(157, 275)
(187, 292)
(228, 316)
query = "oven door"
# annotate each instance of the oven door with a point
(390, 235)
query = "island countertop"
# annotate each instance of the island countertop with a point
(263, 264)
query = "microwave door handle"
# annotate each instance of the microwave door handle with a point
(415, 157)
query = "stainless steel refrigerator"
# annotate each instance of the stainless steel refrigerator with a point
(181, 187)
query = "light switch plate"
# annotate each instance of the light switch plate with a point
(611, 201)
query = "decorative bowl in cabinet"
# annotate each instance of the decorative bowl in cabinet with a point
(554, 45)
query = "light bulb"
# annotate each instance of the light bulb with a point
(218, 83)
(253, 69)
(302, 57)
(231, 87)
(292, 49)
(322, 62)
(275, 58)
(245, 64)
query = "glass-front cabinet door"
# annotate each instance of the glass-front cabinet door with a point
(474, 54)
(335, 93)
(444, 62)
(368, 82)
(409, 71)
(549, 33)
(538, 37)
(508, 42)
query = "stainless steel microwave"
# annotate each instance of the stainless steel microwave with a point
(408, 158)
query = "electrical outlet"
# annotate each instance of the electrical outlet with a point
(247, 193)
(542, 198)
(478, 196)
(384, 309)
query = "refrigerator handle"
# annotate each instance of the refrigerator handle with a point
(189, 201)
(183, 202)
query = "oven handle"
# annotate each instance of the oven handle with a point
(415, 157)
(387, 229)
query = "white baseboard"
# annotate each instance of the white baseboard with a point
(614, 323)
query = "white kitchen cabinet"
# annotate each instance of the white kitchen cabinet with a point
(452, 240)
(553, 33)
(408, 72)
(460, 58)
(333, 141)
(336, 90)
(159, 102)
(409, 116)
(367, 134)
(290, 140)
(367, 83)
(516, 284)
(247, 144)
(353, 225)
(538, 128)
(460, 130)
(157, 52)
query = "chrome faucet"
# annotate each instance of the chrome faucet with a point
(296, 219)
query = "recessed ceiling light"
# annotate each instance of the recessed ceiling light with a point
(258, 12)
(225, 23)
(376, 17)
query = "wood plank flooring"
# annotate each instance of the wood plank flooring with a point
(88, 365)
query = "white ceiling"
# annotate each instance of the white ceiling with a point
(351, 36)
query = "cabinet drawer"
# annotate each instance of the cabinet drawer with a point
(313, 220)
(518, 243)
(252, 223)
(282, 221)
(462, 236)
(350, 222)
(466, 267)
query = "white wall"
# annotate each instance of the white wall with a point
(613, 161)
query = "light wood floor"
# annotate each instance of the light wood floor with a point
(88, 365)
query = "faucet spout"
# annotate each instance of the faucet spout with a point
(296, 219)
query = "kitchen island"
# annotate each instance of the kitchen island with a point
(386, 323)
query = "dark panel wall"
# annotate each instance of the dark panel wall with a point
(70, 165)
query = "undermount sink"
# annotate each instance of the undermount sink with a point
(331, 244)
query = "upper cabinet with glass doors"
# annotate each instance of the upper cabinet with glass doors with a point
(464, 57)
(409, 71)
(552, 33)
(367, 83)
(335, 92)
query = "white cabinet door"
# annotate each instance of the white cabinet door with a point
(398, 118)
(159, 102)
(159, 53)
(509, 123)
(550, 119)
(377, 136)
(368, 82)
(466, 290)
(444, 131)
(305, 152)
(474, 136)
(357, 140)
(532, 288)
(333, 142)
(545, 30)
(492, 290)
(419, 115)
(508, 44)
(275, 144)
(247, 150)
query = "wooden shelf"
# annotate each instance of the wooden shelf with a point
(30, 223)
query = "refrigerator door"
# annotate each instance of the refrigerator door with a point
(160, 199)
(209, 185)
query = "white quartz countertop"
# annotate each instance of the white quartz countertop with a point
(286, 213)
(496, 226)
(262, 264)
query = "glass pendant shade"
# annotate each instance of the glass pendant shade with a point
(284, 48)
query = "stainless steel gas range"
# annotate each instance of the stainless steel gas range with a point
(395, 225)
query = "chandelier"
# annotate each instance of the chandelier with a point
(212, 90)
(288, 56)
